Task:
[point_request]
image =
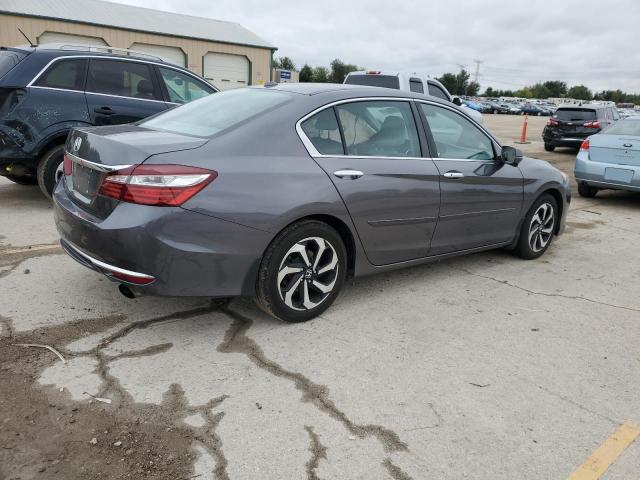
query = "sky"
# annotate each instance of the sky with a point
(520, 42)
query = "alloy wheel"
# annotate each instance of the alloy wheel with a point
(308, 273)
(541, 227)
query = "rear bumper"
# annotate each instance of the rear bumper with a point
(186, 253)
(606, 175)
(558, 139)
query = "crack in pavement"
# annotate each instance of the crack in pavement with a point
(143, 352)
(544, 294)
(428, 427)
(318, 452)
(578, 405)
(237, 341)
(395, 471)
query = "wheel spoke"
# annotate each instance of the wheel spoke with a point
(287, 271)
(324, 288)
(308, 304)
(290, 292)
(302, 251)
(330, 266)
(322, 247)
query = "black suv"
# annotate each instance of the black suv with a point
(571, 124)
(47, 90)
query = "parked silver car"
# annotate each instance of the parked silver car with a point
(610, 159)
(282, 192)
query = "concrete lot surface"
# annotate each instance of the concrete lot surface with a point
(481, 367)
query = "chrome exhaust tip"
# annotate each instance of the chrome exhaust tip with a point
(127, 292)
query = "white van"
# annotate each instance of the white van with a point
(410, 82)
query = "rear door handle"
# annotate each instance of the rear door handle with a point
(104, 110)
(453, 174)
(352, 174)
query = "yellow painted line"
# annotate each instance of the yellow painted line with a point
(34, 248)
(601, 459)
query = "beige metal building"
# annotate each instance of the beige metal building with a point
(225, 53)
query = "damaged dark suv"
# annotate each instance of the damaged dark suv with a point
(47, 90)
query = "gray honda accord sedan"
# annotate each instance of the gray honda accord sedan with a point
(281, 192)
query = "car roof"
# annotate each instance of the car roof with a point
(585, 106)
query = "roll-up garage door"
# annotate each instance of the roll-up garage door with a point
(226, 71)
(170, 54)
(69, 39)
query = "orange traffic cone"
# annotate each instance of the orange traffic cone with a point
(523, 135)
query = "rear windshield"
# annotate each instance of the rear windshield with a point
(386, 81)
(628, 126)
(8, 60)
(209, 115)
(575, 114)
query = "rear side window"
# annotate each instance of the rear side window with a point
(575, 114)
(386, 81)
(323, 131)
(379, 129)
(436, 91)
(415, 85)
(8, 60)
(65, 74)
(624, 127)
(183, 88)
(122, 78)
(212, 114)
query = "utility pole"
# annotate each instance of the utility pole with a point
(462, 66)
(478, 63)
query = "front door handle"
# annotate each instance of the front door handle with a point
(453, 174)
(352, 174)
(104, 110)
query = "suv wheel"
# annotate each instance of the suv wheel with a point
(22, 180)
(549, 148)
(584, 190)
(538, 228)
(50, 169)
(301, 272)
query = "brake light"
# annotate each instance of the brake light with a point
(67, 165)
(551, 122)
(158, 185)
(594, 124)
(373, 72)
(585, 146)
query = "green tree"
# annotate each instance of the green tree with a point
(539, 90)
(284, 62)
(321, 74)
(339, 70)
(306, 74)
(458, 84)
(449, 82)
(580, 92)
(556, 88)
(490, 92)
(473, 89)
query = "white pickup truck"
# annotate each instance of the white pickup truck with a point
(410, 82)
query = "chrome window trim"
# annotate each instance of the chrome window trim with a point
(108, 57)
(105, 95)
(313, 152)
(93, 165)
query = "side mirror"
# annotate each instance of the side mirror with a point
(457, 101)
(511, 156)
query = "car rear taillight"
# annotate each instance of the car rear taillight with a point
(67, 168)
(594, 124)
(552, 123)
(373, 72)
(158, 185)
(585, 146)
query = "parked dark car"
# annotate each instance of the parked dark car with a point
(46, 91)
(281, 192)
(497, 108)
(571, 124)
(532, 109)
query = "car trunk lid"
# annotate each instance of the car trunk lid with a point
(92, 154)
(615, 149)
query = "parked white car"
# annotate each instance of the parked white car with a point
(410, 82)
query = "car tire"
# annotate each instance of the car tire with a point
(48, 169)
(291, 284)
(22, 180)
(586, 191)
(538, 228)
(549, 148)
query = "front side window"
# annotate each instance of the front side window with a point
(183, 88)
(214, 113)
(121, 78)
(64, 74)
(379, 129)
(436, 91)
(455, 136)
(415, 85)
(323, 131)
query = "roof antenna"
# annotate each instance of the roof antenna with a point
(31, 44)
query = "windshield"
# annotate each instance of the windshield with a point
(8, 60)
(629, 126)
(575, 115)
(386, 81)
(209, 115)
